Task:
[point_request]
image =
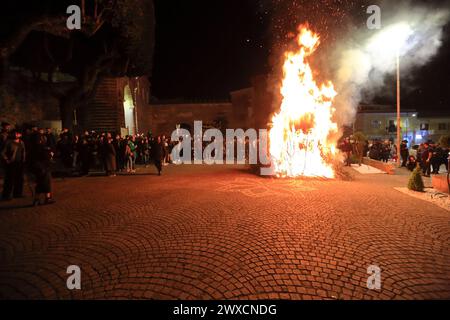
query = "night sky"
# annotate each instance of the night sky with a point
(205, 49)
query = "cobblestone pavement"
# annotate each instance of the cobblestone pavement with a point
(222, 233)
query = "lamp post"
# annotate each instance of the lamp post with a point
(398, 109)
(393, 37)
(448, 173)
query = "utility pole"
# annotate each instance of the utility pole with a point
(398, 109)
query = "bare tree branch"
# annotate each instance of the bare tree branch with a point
(16, 39)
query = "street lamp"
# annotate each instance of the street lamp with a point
(398, 108)
(394, 37)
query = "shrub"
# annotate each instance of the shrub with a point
(415, 181)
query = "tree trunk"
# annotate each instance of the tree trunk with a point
(67, 106)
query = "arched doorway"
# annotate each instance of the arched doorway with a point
(129, 110)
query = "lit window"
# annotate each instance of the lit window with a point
(392, 126)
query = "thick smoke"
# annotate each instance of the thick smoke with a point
(367, 58)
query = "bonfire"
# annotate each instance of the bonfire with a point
(301, 134)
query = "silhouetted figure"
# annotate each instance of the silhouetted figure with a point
(437, 159)
(13, 156)
(51, 141)
(426, 154)
(385, 152)
(358, 151)
(65, 149)
(110, 157)
(130, 154)
(347, 148)
(42, 170)
(158, 154)
(120, 152)
(404, 152)
(85, 156)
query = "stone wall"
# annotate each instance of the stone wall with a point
(163, 118)
(23, 101)
(247, 108)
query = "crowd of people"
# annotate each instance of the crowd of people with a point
(111, 153)
(428, 156)
(382, 150)
(34, 152)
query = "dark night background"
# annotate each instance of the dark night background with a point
(205, 49)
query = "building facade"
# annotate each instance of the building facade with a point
(380, 122)
(165, 117)
(246, 108)
(119, 106)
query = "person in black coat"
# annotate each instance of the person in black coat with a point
(158, 154)
(110, 157)
(426, 160)
(436, 159)
(85, 157)
(385, 152)
(64, 147)
(404, 152)
(13, 156)
(118, 148)
(41, 166)
(347, 148)
(51, 141)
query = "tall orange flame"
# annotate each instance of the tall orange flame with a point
(300, 135)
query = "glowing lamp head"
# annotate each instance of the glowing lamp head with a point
(392, 38)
